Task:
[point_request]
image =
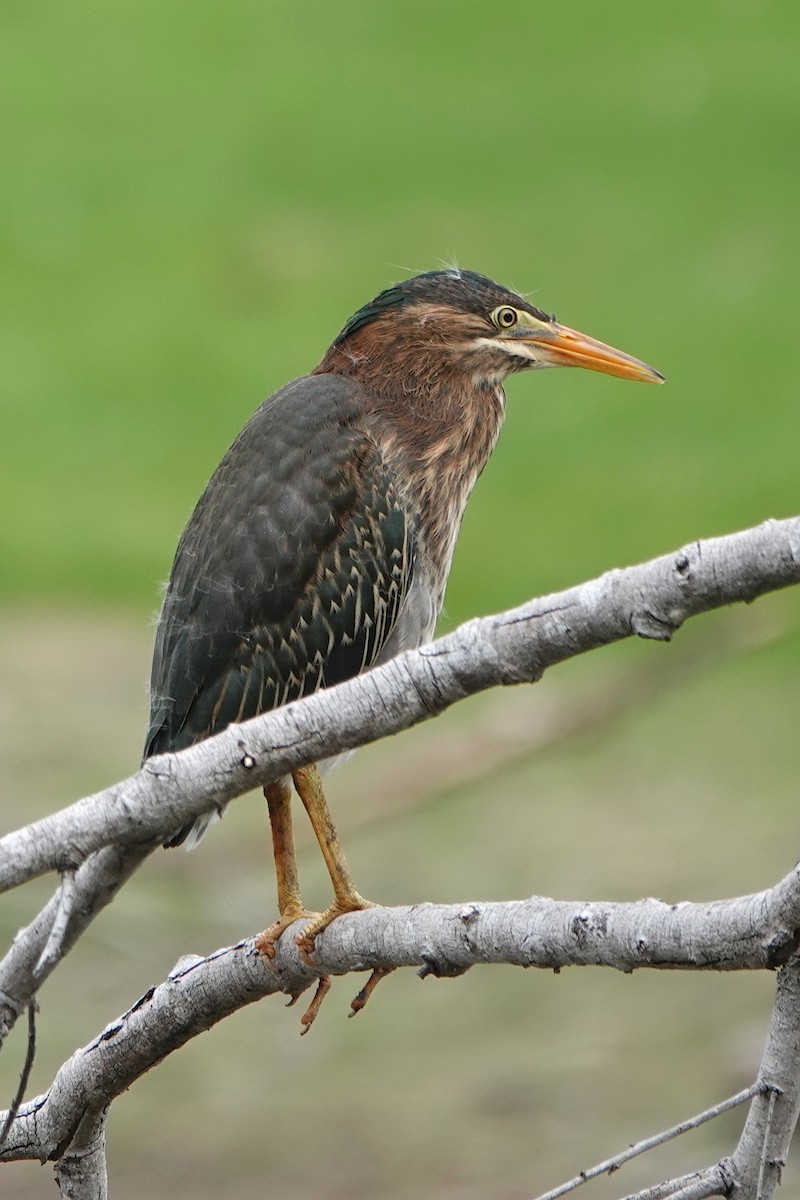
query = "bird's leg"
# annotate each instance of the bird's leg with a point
(290, 906)
(346, 899)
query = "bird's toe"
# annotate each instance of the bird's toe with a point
(267, 940)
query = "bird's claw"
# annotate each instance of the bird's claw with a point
(305, 940)
(265, 943)
(310, 1015)
(358, 1002)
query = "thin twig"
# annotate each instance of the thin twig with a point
(52, 949)
(25, 1073)
(613, 1164)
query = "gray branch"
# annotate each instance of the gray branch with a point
(669, 1188)
(108, 835)
(651, 600)
(441, 940)
(98, 842)
(764, 1145)
(39, 947)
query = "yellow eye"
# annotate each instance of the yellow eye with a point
(505, 317)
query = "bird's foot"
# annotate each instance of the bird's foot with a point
(266, 945)
(310, 1015)
(358, 1002)
(265, 942)
(353, 902)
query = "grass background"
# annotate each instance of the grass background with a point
(194, 199)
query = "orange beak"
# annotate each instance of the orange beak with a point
(558, 346)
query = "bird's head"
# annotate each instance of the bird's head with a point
(452, 322)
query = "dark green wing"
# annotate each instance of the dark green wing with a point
(290, 574)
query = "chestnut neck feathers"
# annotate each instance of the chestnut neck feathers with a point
(433, 399)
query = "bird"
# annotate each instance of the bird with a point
(322, 544)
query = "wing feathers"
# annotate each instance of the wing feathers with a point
(291, 573)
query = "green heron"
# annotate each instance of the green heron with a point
(322, 544)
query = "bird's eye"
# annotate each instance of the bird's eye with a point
(505, 317)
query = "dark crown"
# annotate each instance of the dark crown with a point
(466, 291)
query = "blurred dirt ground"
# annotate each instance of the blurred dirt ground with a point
(642, 770)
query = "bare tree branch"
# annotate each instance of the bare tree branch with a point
(444, 940)
(26, 965)
(65, 905)
(718, 1180)
(754, 1170)
(764, 1144)
(81, 1171)
(651, 600)
(472, 751)
(618, 1160)
(98, 842)
(25, 1073)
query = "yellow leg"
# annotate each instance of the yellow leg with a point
(358, 1002)
(346, 899)
(290, 906)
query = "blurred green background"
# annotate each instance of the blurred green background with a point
(194, 199)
